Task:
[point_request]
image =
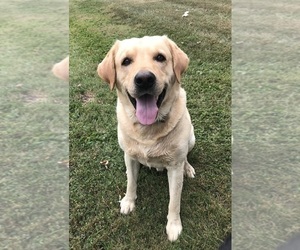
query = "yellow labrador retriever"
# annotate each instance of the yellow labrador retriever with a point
(154, 125)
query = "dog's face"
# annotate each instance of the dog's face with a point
(146, 72)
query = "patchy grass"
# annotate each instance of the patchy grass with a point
(95, 186)
(33, 126)
(266, 101)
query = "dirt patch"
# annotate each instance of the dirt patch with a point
(34, 97)
(87, 97)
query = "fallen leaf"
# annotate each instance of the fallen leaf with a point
(185, 14)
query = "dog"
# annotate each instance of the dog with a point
(61, 69)
(154, 125)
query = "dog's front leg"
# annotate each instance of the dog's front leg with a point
(132, 170)
(175, 178)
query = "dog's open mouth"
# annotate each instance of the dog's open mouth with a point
(147, 106)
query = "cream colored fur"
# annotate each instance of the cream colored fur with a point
(61, 69)
(165, 143)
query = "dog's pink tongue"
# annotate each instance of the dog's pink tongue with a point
(146, 109)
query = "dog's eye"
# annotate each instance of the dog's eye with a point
(126, 61)
(160, 58)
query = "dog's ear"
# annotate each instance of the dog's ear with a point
(107, 69)
(61, 69)
(180, 59)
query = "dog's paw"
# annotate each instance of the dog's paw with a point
(189, 171)
(127, 205)
(173, 229)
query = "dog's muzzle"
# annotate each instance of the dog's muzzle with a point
(146, 103)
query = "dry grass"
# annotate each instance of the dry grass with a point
(33, 126)
(266, 101)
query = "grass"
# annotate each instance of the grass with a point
(33, 126)
(95, 188)
(265, 124)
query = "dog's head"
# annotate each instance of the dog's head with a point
(146, 72)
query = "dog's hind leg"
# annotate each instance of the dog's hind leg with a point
(189, 171)
(192, 140)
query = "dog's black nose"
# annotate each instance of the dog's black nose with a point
(144, 79)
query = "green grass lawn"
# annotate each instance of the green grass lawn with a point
(33, 126)
(265, 124)
(95, 188)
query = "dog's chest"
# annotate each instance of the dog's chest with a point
(151, 153)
